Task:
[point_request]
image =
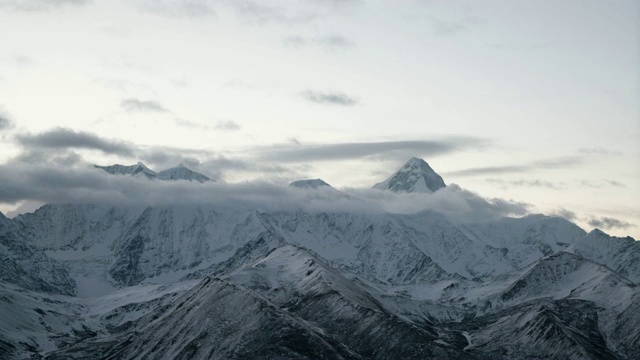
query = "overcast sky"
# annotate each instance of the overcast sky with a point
(530, 101)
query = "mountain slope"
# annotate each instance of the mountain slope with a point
(26, 265)
(620, 254)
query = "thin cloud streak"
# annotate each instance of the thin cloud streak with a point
(136, 105)
(329, 42)
(536, 165)
(40, 5)
(346, 151)
(328, 98)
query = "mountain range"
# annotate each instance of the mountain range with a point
(205, 281)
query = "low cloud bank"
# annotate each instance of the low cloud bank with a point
(49, 184)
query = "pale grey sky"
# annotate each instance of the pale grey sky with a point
(534, 101)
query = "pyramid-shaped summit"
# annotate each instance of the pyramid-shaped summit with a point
(415, 176)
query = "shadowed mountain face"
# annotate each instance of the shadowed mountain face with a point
(213, 281)
(414, 176)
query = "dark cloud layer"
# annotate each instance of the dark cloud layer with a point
(345, 151)
(61, 138)
(609, 223)
(137, 105)
(329, 98)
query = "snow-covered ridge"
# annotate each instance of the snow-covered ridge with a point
(179, 172)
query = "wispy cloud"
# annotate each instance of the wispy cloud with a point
(227, 125)
(609, 223)
(565, 213)
(525, 183)
(261, 13)
(598, 151)
(136, 105)
(329, 42)
(558, 163)
(601, 184)
(451, 27)
(62, 138)
(329, 98)
(221, 125)
(180, 8)
(40, 5)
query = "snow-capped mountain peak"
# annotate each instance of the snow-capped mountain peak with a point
(182, 172)
(414, 176)
(179, 172)
(310, 184)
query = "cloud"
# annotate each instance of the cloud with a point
(228, 125)
(222, 125)
(52, 184)
(136, 105)
(384, 149)
(40, 5)
(558, 163)
(5, 121)
(329, 98)
(63, 157)
(565, 213)
(505, 184)
(260, 13)
(180, 8)
(601, 184)
(454, 27)
(609, 223)
(330, 42)
(62, 138)
(615, 183)
(598, 151)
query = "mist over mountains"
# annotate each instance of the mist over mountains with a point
(134, 267)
